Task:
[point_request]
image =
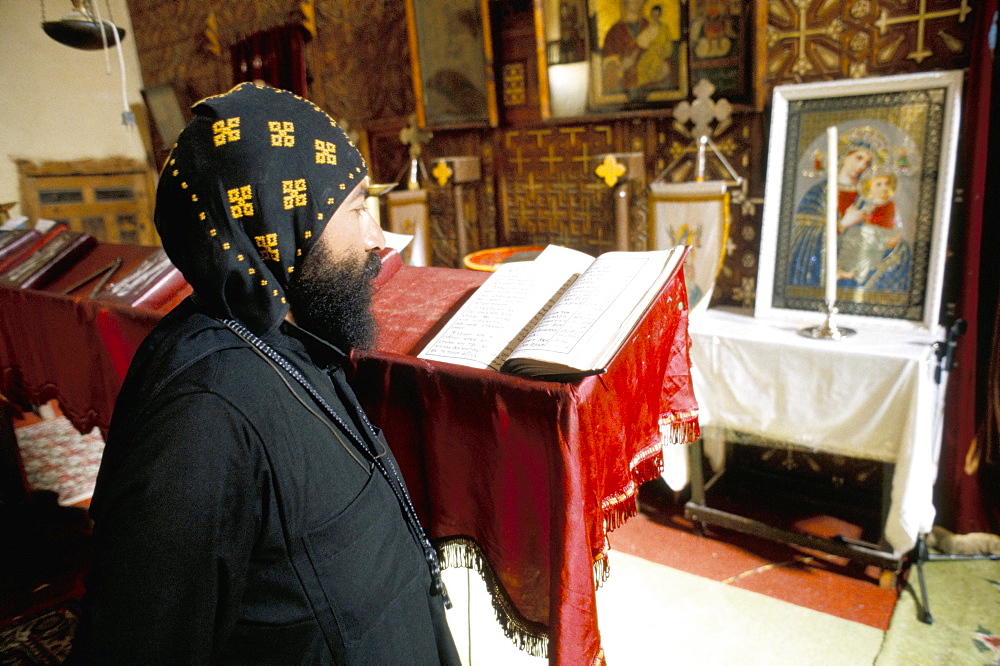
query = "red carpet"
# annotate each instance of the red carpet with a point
(661, 534)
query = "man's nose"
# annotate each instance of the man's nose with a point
(374, 238)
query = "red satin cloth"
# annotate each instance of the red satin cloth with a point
(73, 348)
(520, 478)
(534, 473)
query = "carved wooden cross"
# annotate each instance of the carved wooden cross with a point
(921, 17)
(831, 29)
(702, 112)
(414, 137)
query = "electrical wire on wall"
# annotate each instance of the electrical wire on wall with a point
(128, 117)
(84, 28)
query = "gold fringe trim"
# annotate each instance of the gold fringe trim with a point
(602, 569)
(528, 636)
(680, 428)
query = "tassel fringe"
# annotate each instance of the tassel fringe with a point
(680, 428)
(602, 570)
(530, 637)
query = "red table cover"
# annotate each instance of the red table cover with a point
(521, 479)
(71, 347)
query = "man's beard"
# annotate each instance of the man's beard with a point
(332, 299)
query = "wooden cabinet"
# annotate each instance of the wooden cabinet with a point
(111, 200)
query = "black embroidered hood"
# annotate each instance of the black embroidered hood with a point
(246, 192)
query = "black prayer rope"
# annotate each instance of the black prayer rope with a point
(385, 466)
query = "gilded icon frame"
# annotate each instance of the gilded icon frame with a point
(723, 42)
(451, 58)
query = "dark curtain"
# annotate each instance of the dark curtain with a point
(966, 493)
(989, 312)
(275, 56)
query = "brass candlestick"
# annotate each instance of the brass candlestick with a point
(827, 330)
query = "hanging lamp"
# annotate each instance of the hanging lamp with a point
(82, 28)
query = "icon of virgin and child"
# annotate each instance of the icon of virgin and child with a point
(640, 49)
(873, 252)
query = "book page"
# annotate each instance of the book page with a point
(565, 258)
(497, 314)
(592, 319)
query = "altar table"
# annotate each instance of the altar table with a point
(517, 478)
(874, 396)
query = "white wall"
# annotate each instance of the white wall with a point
(58, 103)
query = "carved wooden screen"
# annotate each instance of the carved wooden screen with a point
(550, 192)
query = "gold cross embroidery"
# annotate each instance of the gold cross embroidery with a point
(295, 193)
(282, 133)
(241, 198)
(326, 152)
(268, 246)
(226, 131)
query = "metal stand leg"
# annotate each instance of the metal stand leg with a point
(697, 482)
(922, 556)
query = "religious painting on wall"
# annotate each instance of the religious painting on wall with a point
(615, 55)
(451, 56)
(638, 55)
(893, 164)
(561, 33)
(720, 38)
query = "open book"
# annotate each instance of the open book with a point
(562, 316)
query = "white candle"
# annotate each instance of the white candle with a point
(831, 215)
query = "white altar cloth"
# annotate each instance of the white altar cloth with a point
(871, 396)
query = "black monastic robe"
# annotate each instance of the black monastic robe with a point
(234, 522)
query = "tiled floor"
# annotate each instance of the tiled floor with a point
(653, 614)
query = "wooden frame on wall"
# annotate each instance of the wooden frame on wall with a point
(451, 56)
(898, 138)
(165, 109)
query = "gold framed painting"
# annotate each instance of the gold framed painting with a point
(894, 169)
(451, 57)
(599, 56)
(639, 54)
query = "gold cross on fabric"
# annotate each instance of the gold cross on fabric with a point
(242, 200)
(268, 246)
(226, 131)
(295, 193)
(282, 133)
(326, 152)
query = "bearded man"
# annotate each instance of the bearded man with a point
(246, 511)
